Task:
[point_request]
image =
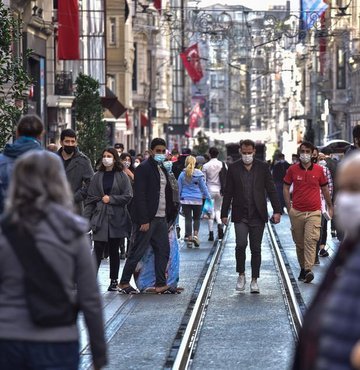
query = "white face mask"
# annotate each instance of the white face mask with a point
(136, 164)
(247, 158)
(347, 212)
(305, 158)
(322, 163)
(127, 164)
(107, 162)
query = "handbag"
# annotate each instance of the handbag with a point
(48, 303)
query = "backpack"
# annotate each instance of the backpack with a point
(48, 302)
(222, 177)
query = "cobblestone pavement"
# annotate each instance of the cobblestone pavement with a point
(241, 330)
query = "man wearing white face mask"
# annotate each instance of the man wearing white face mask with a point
(307, 179)
(248, 181)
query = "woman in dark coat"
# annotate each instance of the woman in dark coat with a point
(105, 206)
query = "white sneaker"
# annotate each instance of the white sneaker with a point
(254, 287)
(240, 285)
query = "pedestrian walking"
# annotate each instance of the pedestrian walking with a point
(106, 207)
(192, 190)
(29, 131)
(321, 245)
(247, 183)
(119, 148)
(47, 272)
(304, 210)
(153, 208)
(279, 171)
(177, 168)
(215, 177)
(127, 160)
(329, 338)
(77, 167)
(356, 139)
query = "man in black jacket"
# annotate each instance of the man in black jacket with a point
(77, 167)
(247, 182)
(152, 209)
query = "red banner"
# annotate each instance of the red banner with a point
(192, 64)
(157, 5)
(68, 33)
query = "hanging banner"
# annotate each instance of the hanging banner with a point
(192, 64)
(68, 32)
(311, 11)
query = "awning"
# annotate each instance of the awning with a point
(111, 102)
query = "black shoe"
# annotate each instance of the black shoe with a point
(211, 236)
(113, 287)
(309, 276)
(317, 261)
(220, 232)
(323, 253)
(178, 232)
(302, 275)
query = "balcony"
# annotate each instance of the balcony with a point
(63, 83)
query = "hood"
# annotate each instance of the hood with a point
(65, 224)
(197, 173)
(21, 145)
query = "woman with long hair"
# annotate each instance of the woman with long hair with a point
(109, 193)
(192, 190)
(39, 211)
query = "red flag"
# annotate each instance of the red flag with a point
(195, 115)
(127, 121)
(192, 64)
(322, 44)
(157, 5)
(68, 33)
(143, 120)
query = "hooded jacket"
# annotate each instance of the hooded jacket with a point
(7, 160)
(195, 189)
(60, 237)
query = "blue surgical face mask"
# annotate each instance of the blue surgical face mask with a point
(160, 158)
(168, 166)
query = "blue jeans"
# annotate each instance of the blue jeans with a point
(28, 355)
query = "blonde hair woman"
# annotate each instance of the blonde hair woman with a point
(192, 190)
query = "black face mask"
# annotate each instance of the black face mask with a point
(69, 149)
(314, 160)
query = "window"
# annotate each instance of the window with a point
(213, 81)
(112, 31)
(111, 83)
(221, 105)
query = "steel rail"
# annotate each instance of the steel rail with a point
(190, 335)
(293, 299)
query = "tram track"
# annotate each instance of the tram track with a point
(294, 301)
(184, 345)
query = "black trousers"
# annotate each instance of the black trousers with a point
(255, 233)
(113, 245)
(157, 236)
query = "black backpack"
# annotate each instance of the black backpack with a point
(48, 303)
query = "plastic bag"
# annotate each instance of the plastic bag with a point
(208, 208)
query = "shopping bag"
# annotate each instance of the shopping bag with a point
(208, 208)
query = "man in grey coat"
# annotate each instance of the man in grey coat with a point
(77, 167)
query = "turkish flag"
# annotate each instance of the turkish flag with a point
(157, 5)
(143, 120)
(68, 33)
(127, 121)
(192, 64)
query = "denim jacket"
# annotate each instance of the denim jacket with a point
(195, 189)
